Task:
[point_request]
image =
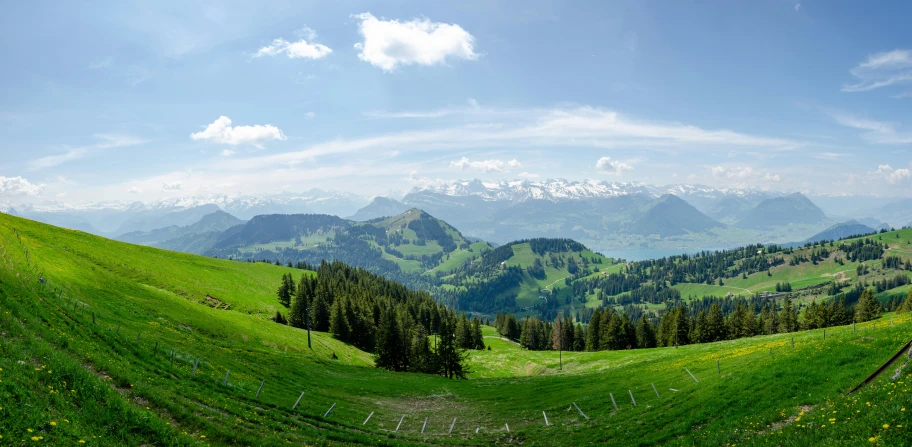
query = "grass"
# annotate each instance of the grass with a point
(98, 384)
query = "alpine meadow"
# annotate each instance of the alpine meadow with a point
(520, 223)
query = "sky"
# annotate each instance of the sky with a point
(127, 101)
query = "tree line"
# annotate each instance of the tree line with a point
(380, 316)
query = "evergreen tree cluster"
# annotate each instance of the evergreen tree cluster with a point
(381, 316)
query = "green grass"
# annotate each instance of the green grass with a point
(98, 384)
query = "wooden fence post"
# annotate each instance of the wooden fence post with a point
(718, 368)
(260, 389)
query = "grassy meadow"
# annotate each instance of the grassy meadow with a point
(86, 359)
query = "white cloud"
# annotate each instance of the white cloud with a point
(882, 70)
(892, 176)
(54, 160)
(606, 164)
(135, 190)
(226, 153)
(877, 131)
(18, 186)
(294, 50)
(220, 131)
(310, 115)
(742, 174)
(172, 186)
(388, 44)
(797, 6)
(486, 166)
(527, 175)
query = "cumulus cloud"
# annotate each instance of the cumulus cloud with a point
(465, 164)
(881, 70)
(18, 186)
(172, 186)
(606, 164)
(892, 176)
(221, 131)
(388, 44)
(742, 174)
(527, 175)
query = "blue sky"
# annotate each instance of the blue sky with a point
(143, 101)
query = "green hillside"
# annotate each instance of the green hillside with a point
(88, 325)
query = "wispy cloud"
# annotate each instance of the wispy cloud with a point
(878, 132)
(304, 48)
(882, 70)
(388, 44)
(465, 164)
(105, 141)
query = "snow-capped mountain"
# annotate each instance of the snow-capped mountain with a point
(116, 218)
(559, 189)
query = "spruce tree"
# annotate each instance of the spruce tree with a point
(338, 320)
(715, 324)
(645, 333)
(592, 335)
(450, 355)
(868, 308)
(788, 318)
(390, 354)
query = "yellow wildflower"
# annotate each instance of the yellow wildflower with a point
(53, 424)
(886, 426)
(34, 438)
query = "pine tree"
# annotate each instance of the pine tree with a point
(319, 314)
(286, 290)
(868, 308)
(450, 355)
(464, 334)
(390, 353)
(477, 337)
(788, 318)
(338, 321)
(715, 324)
(592, 336)
(645, 333)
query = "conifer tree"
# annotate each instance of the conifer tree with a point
(592, 335)
(338, 320)
(477, 336)
(390, 353)
(868, 308)
(449, 354)
(788, 318)
(645, 333)
(715, 324)
(286, 290)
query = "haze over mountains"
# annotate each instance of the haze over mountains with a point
(603, 215)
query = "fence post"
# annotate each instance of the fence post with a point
(546, 419)
(691, 375)
(155, 350)
(400, 423)
(631, 398)
(226, 376)
(424, 425)
(260, 389)
(331, 409)
(451, 427)
(172, 357)
(613, 402)
(580, 411)
(137, 337)
(718, 368)
(93, 317)
(298, 401)
(195, 364)
(368, 418)
(657, 391)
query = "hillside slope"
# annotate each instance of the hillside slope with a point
(105, 374)
(671, 216)
(781, 211)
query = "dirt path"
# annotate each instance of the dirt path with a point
(548, 287)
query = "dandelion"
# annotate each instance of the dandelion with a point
(34, 438)
(872, 439)
(886, 426)
(53, 424)
(81, 441)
